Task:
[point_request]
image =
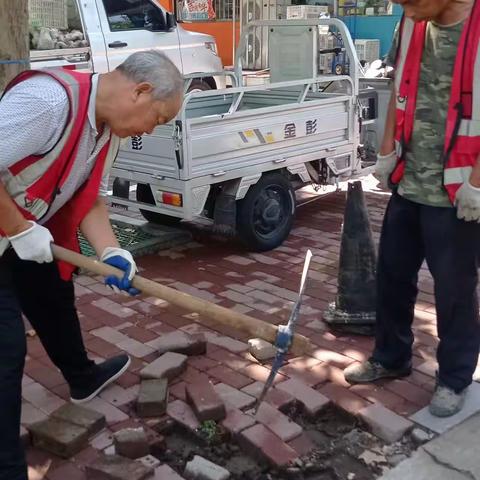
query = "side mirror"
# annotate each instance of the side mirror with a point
(171, 21)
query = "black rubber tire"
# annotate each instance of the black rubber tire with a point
(255, 229)
(145, 195)
(197, 85)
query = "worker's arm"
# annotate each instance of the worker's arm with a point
(12, 221)
(97, 229)
(388, 142)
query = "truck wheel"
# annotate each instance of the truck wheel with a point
(198, 86)
(145, 195)
(265, 216)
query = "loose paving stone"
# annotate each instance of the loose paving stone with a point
(170, 365)
(115, 467)
(149, 461)
(180, 342)
(166, 473)
(420, 436)
(202, 469)
(277, 422)
(131, 442)
(311, 400)
(441, 425)
(93, 421)
(261, 349)
(59, 437)
(183, 415)
(233, 397)
(236, 421)
(205, 401)
(153, 397)
(384, 423)
(261, 442)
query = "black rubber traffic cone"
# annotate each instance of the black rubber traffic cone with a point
(354, 307)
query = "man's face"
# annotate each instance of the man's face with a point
(137, 112)
(420, 10)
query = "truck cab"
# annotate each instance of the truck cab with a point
(101, 34)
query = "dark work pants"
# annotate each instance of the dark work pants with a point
(412, 233)
(48, 303)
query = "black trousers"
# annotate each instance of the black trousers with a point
(48, 303)
(412, 233)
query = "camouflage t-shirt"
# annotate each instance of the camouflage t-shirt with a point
(423, 179)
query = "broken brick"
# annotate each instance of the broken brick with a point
(261, 349)
(180, 342)
(131, 442)
(170, 365)
(59, 437)
(115, 467)
(261, 442)
(311, 400)
(205, 401)
(201, 468)
(152, 398)
(183, 415)
(93, 421)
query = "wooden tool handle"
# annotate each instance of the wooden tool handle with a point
(239, 321)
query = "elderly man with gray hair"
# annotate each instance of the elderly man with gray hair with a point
(60, 135)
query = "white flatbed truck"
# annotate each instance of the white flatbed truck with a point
(237, 155)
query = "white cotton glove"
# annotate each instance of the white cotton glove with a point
(467, 201)
(122, 259)
(384, 167)
(33, 244)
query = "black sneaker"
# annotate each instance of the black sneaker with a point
(104, 374)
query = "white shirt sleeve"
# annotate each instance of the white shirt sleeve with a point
(33, 115)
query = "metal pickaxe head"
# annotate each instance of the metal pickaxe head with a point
(285, 334)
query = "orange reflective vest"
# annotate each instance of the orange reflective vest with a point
(462, 136)
(34, 182)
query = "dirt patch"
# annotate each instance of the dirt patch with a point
(344, 450)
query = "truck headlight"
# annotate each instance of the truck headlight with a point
(212, 46)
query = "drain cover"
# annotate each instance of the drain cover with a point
(139, 242)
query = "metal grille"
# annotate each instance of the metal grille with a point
(48, 13)
(135, 240)
(224, 9)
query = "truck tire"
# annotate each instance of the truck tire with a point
(198, 86)
(265, 216)
(145, 195)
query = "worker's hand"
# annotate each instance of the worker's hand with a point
(122, 259)
(384, 167)
(467, 201)
(33, 244)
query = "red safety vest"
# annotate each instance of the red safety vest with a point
(462, 136)
(34, 181)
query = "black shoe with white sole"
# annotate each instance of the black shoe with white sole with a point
(103, 375)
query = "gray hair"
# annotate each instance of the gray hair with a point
(156, 68)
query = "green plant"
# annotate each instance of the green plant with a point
(209, 430)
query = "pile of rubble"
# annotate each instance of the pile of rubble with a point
(52, 38)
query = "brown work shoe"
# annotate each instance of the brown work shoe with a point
(370, 371)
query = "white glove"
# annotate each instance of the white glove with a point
(33, 244)
(467, 201)
(122, 259)
(384, 167)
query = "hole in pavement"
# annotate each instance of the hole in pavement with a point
(343, 450)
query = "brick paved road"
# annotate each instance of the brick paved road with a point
(262, 285)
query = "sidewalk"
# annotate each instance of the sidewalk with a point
(452, 456)
(262, 285)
